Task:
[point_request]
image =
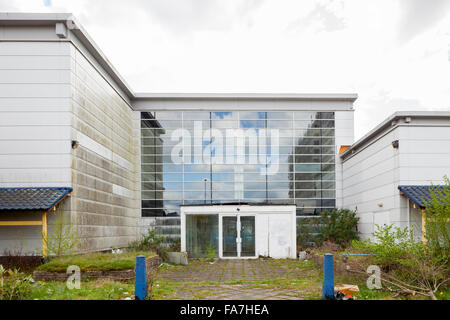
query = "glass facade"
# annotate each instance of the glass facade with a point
(194, 157)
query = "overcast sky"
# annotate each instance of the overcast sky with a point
(394, 53)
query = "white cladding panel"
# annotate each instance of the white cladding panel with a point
(372, 176)
(344, 136)
(35, 114)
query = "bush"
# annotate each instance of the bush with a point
(411, 266)
(14, 285)
(437, 226)
(391, 245)
(151, 241)
(338, 226)
(307, 229)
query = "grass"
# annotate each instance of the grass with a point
(90, 290)
(94, 262)
(305, 282)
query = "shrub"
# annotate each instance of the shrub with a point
(307, 229)
(437, 226)
(338, 226)
(151, 241)
(14, 285)
(411, 266)
(391, 245)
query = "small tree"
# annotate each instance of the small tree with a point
(437, 222)
(63, 239)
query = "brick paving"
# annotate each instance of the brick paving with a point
(232, 279)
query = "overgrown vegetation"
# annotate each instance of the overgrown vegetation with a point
(94, 261)
(307, 232)
(411, 266)
(63, 239)
(437, 224)
(338, 226)
(14, 285)
(150, 241)
(210, 252)
(153, 242)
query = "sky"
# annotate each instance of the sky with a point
(394, 53)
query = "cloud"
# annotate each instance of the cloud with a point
(394, 54)
(418, 16)
(325, 16)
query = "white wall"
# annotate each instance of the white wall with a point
(372, 176)
(35, 114)
(344, 136)
(275, 227)
(53, 91)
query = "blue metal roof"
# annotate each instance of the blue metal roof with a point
(31, 198)
(420, 195)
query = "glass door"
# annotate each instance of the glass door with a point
(229, 236)
(247, 236)
(238, 236)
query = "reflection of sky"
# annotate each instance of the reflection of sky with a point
(222, 115)
(252, 124)
(247, 183)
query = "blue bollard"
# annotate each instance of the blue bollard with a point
(140, 284)
(328, 277)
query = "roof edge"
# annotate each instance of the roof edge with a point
(72, 24)
(387, 123)
(248, 96)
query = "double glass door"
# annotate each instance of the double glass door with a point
(238, 236)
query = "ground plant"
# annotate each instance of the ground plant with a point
(409, 266)
(338, 226)
(14, 285)
(63, 239)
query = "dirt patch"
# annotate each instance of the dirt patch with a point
(344, 264)
(22, 263)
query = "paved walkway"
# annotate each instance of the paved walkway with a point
(260, 279)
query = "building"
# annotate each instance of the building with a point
(225, 173)
(389, 170)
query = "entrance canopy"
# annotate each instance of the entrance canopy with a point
(419, 195)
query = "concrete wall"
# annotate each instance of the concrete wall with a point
(53, 91)
(372, 175)
(106, 165)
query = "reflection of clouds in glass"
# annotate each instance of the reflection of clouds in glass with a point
(250, 135)
(223, 186)
(222, 115)
(252, 124)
